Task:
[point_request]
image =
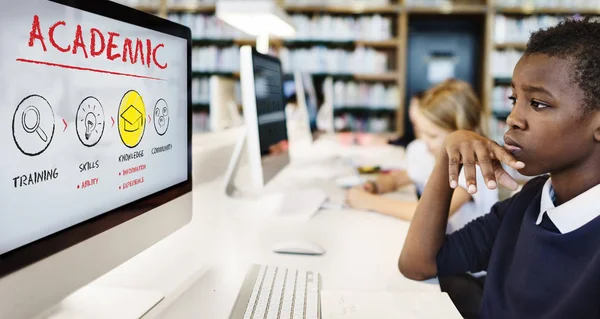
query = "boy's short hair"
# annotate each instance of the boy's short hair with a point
(579, 42)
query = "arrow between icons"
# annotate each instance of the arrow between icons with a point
(113, 121)
(65, 123)
(149, 120)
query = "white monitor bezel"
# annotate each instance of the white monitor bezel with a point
(259, 175)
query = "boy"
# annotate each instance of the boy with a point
(541, 247)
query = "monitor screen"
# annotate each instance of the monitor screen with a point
(94, 117)
(270, 109)
(270, 104)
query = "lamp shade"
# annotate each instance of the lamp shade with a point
(257, 18)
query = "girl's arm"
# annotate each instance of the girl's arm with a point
(386, 183)
(400, 209)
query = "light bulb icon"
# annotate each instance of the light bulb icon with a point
(90, 121)
(90, 124)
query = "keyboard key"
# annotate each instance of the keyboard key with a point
(265, 292)
(255, 290)
(277, 292)
(280, 293)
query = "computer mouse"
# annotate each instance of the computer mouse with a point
(299, 247)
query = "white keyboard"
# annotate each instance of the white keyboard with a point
(271, 292)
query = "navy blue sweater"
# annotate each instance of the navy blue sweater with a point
(532, 272)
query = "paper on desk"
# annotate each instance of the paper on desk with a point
(386, 305)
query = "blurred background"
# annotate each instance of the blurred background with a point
(366, 58)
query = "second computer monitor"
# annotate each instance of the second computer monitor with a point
(264, 113)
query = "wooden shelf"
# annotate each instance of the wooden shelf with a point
(452, 9)
(380, 77)
(207, 8)
(384, 44)
(396, 48)
(511, 45)
(150, 9)
(533, 10)
(216, 42)
(383, 77)
(342, 9)
(363, 109)
(219, 73)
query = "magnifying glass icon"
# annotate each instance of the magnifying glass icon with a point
(31, 122)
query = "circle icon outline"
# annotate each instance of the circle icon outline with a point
(77, 122)
(142, 119)
(53, 125)
(156, 119)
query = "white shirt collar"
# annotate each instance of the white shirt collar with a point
(570, 215)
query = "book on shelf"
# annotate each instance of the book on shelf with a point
(351, 122)
(363, 95)
(337, 2)
(315, 28)
(139, 3)
(556, 4)
(342, 28)
(503, 62)
(509, 29)
(501, 104)
(325, 60)
(190, 3)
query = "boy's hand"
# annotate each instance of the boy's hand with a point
(469, 148)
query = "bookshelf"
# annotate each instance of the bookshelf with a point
(530, 10)
(509, 33)
(343, 9)
(511, 45)
(460, 9)
(497, 13)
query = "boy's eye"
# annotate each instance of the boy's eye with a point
(538, 105)
(513, 100)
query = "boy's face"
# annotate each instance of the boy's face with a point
(547, 130)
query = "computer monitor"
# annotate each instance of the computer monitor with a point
(95, 132)
(265, 138)
(264, 114)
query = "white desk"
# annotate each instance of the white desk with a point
(200, 268)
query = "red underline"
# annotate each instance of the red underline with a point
(88, 69)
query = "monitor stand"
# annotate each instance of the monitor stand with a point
(234, 165)
(95, 302)
(291, 202)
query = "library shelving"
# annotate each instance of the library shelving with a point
(395, 15)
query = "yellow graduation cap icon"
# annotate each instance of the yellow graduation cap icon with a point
(132, 115)
(133, 119)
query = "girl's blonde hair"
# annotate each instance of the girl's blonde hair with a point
(453, 105)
